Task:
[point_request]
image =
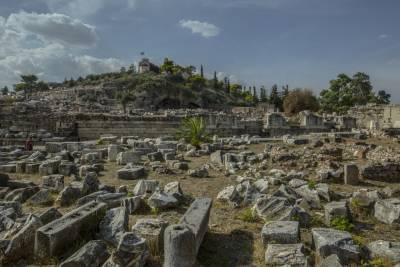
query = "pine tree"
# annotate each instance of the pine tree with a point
(275, 98)
(255, 96)
(263, 94)
(285, 91)
(201, 71)
(4, 90)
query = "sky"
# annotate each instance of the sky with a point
(302, 43)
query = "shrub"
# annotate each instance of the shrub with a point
(247, 216)
(342, 223)
(194, 131)
(312, 184)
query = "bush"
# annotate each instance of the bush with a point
(299, 100)
(193, 130)
(342, 223)
(312, 184)
(247, 216)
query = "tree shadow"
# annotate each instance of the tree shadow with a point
(219, 249)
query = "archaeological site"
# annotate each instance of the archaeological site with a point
(114, 157)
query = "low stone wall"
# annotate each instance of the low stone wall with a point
(386, 172)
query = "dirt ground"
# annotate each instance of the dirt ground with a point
(231, 240)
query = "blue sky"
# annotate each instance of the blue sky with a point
(303, 43)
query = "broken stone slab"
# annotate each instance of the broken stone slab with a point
(329, 241)
(197, 217)
(331, 261)
(32, 168)
(152, 230)
(55, 181)
(351, 174)
(217, 158)
(230, 195)
(274, 208)
(144, 187)
(22, 244)
(131, 251)
(44, 197)
(174, 189)
(179, 246)
(49, 167)
(112, 200)
(296, 183)
(323, 191)
(8, 168)
(365, 198)
(93, 196)
(387, 210)
(336, 209)
(133, 173)
(280, 232)
(261, 185)
(93, 253)
(69, 195)
(288, 193)
(67, 168)
(198, 173)
(90, 183)
(113, 151)
(59, 235)
(15, 205)
(155, 156)
(311, 196)
(21, 194)
(114, 225)
(49, 215)
(385, 249)
(286, 255)
(124, 158)
(131, 204)
(161, 200)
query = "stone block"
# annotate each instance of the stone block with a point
(280, 232)
(351, 174)
(285, 255)
(54, 238)
(387, 210)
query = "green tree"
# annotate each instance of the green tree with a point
(124, 97)
(299, 100)
(383, 97)
(29, 79)
(263, 94)
(4, 90)
(345, 92)
(275, 98)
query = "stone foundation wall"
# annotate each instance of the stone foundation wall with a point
(386, 172)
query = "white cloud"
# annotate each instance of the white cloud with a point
(383, 36)
(85, 8)
(51, 46)
(205, 29)
(53, 27)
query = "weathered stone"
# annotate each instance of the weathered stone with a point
(144, 187)
(57, 236)
(69, 195)
(336, 210)
(90, 183)
(330, 241)
(55, 182)
(351, 174)
(280, 232)
(296, 183)
(131, 251)
(261, 185)
(274, 208)
(113, 151)
(179, 246)
(152, 230)
(365, 198)
(388, 210)
(331, 261)
(112, 200)
(133, 173)
(93, 196)
(21, 194)
(385, 249)
(311, 196)
(285, 255)
(131, 204)
(42, 198)
(198, 173)
(229, 194)
(155, 156)
(22, 244)
(162, 200)
(49, 167)
(93, 253)
(113, 226)
(217, 158)
(124, 158)
(174, 189)
(49, 215)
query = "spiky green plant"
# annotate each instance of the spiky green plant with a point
(194, 131)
